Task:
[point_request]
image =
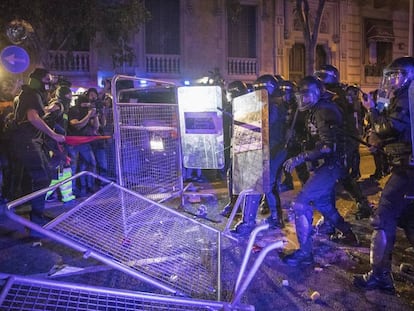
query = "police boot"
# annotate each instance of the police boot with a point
(248, 222)
(345, 235)
(364, 210)
(287, 184)
(229, 207)
(324, 227)
(376, 279)
(380, 276)
(274, 222)
(304, 255)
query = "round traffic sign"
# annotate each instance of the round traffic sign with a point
(15, 59)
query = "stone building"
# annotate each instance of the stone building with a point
(191, 39)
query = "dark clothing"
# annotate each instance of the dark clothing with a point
(393, 127)
(352, 173)
(29, 99)
(330, 153)
(327, 118)
(277, 140)
(78, 113)
(27, 144)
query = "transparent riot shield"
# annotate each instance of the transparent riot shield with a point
(201, 124)
(250, 143)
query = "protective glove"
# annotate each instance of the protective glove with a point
(290, 164)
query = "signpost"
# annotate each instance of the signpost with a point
(15, 59)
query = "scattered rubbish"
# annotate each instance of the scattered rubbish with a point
(37, 243)
(194, 199)
(409, 249)
(285, 283)
(55, 269)
(256, 248)
(407, 268)
(315, 296)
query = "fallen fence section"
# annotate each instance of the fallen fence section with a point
(148, 241)
(22, 293)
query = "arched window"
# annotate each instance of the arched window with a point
(297, 62)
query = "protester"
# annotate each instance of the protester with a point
(28, 137)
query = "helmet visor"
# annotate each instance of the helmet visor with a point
(392, 79)
(306, 99)
(325, 76)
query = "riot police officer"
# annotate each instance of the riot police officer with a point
(329, 75)
(394, 128)
(296, 134)
(277, 129)
(330, 151)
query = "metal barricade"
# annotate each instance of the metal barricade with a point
(148, 241)
(143, 238)
(22, 293)
(147, 139)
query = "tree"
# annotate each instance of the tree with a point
(71, 25)
(310, 27)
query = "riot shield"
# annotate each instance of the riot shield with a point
(411, 107)
(250, 142)
(201, 125)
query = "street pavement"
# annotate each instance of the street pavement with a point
(325, 286)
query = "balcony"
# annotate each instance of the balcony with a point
(69, 62)
(163, 64)
(242, 67)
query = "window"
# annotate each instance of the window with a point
(321, 57)
(242, 32)
(297, 62)
(379, 37)
(162, 32)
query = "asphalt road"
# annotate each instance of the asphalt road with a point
(327, 285)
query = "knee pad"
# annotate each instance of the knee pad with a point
(378, 247)
(376, 222)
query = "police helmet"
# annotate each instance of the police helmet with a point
(398, 74)
(267, 82)
(236, 88)
(309, 92)
(286, 89)
(328, 74)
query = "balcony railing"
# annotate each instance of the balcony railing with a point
(166, 64)
(374, 70)
(242, 66)
(69, 61)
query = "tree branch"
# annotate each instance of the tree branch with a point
(318, 19)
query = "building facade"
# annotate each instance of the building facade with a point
(241, 40)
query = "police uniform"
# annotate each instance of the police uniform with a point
(317, 192)
(394, 209)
